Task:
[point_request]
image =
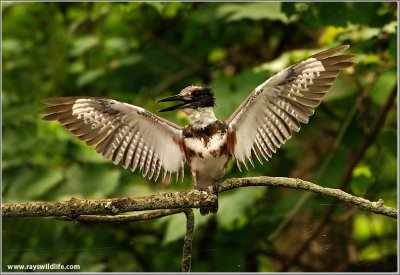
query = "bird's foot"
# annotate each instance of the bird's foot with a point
(216, 188)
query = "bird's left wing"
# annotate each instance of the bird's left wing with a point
(264, 121)
(129, 135)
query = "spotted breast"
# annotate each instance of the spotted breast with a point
(207, 152)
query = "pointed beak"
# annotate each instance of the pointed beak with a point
(177, 97)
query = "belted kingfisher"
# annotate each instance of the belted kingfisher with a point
(136, 138)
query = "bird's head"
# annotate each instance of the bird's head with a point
(192, 97)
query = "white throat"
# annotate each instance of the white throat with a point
(200, 117)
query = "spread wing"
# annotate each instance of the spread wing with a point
(129, 135)
(264, 121)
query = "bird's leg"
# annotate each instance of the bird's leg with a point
(210, 209)
(216, 187)
(214, 208)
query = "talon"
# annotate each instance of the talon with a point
(215, 188)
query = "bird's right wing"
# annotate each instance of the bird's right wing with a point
(129, 135)
(264, 121)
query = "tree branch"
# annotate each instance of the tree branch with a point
(191, 199)
(187, 245)
(140, 216)
(376, 207)
(75, 207)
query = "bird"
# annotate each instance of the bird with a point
(136, 138)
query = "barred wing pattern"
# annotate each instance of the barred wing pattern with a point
(264, 121)
(129, 135)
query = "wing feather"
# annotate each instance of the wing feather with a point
(124, 133)
(264, 121)
(138, 154)
(143, 158)
(158, 169)
(129, 149)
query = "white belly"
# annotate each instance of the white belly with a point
(208, 164)
(206, 172)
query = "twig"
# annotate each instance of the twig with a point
(145, 215)
(187, 245)
(359, 153)
(376, 207)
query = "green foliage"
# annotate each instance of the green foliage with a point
(366, 228)
(253, 11)
(383, 86)
(138, 52)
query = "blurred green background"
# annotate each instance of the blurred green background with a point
(141, 52)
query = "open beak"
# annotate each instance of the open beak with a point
(177, 97)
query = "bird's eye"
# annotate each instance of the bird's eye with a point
(196, 93)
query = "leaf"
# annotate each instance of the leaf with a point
(390, 27)
(11, 47)
(76, 67)
(361, 228)
(254, 11)
(372, 253)
(171, 9)
(361, 180)
(216, 55)
(275, 65)
(116, 45)
(362, 170)
(366, 227)
(126, 61)
(371, 227)
(159, 6)
(89, 77)
(383, 86)
(82, 44)
(330, 34)
(371, 59)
